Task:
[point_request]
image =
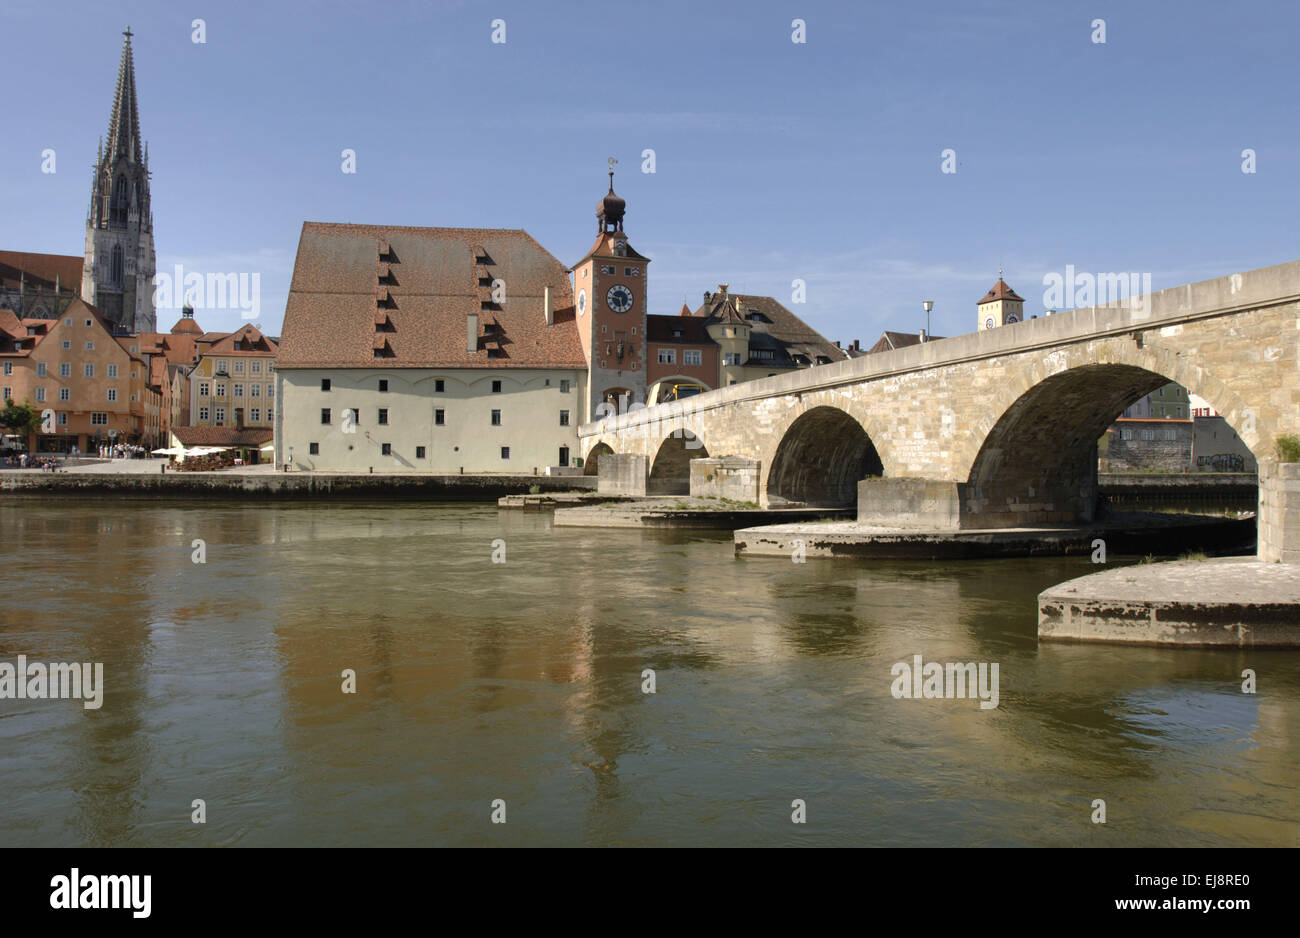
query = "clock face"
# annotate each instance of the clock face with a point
(988, 323)
(619, 298)
(582, 302)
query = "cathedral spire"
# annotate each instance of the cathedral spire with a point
(117, 276)
(124, 124)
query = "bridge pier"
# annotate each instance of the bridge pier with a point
(1278, 521)
(910, 503)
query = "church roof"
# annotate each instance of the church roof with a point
(63, 268)
(432, 280)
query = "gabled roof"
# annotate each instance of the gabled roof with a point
(431, 287)
(795, 336)
(250, 340)
(892, 340)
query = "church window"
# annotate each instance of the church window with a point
(115, 269)
(120, 199)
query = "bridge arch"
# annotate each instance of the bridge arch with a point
(670, 468)
(1037, 461)
(591, 464)
(820, 459)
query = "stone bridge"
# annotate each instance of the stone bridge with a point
(993, 429)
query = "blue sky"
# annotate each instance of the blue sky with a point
(774, 160)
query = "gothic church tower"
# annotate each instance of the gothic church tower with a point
(119, 269)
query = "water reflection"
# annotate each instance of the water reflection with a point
(523, 681)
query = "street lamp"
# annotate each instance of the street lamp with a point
(927, 305)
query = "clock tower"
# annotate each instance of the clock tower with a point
(999, 307)
(610, 296)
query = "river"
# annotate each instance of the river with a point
(524, 681)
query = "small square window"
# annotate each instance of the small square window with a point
(383, 385)
(496, 418)
(386, 449)
(66, 345)
(419, 452)
(87, 323)
(496, 387)
(505, 452)
(439, 386)
(439, 418)
(564, 387)
(90, 346)
(324, 384)
(564, 418)
(383, 416)
(324, 415)
(313, 449)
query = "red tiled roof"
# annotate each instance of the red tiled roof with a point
(329, 320)
(223, 436)
(604, 246)
(686, 311)
(1000, 291)
(186, 324)
(63, 268)
(247, 334)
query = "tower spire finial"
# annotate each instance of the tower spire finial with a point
(127, 33)
(612, 161)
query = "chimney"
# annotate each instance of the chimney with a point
(547, 309)
(471, 333)
(857, 347)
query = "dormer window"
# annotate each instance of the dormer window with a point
(620, 248)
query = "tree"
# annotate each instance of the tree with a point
(21, 419)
